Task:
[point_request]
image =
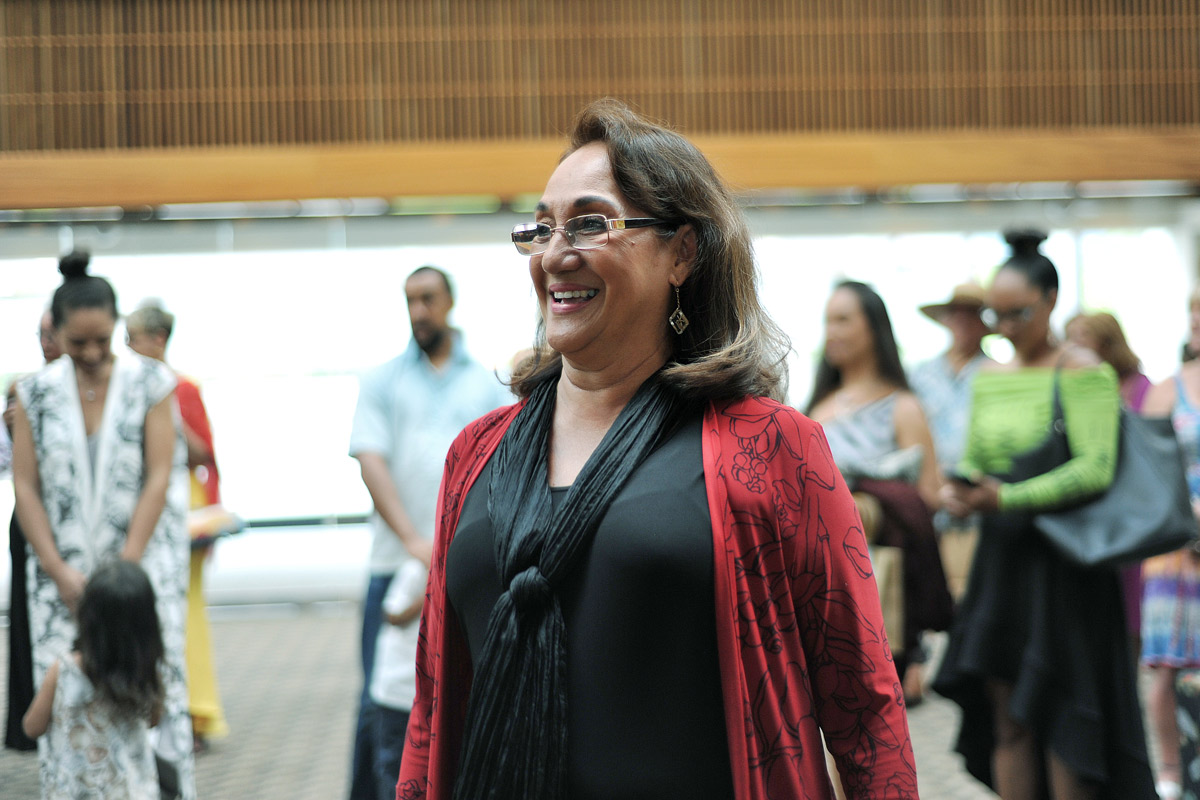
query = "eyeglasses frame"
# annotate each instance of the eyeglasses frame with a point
(1020, 316)
(611, 224)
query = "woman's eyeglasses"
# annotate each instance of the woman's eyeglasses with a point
(1018, 316)
(583, 233)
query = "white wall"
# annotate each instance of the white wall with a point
(276, 318)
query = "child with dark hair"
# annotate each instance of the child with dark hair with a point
(97, 703)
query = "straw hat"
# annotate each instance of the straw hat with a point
(968, 296)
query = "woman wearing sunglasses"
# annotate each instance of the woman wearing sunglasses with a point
(1038, 656)
(649, 579)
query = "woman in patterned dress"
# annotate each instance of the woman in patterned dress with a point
(99, 473)
(1171, 599)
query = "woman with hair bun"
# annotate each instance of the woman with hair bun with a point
(99, 473)
(1038, 656)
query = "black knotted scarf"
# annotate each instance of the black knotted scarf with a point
(515, 746)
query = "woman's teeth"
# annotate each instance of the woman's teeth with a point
(582, 294)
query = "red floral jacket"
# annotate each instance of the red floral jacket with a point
(800, 634)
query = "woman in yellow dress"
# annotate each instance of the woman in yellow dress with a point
(147, 331)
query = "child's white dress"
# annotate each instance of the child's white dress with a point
(92, 753)
(394, 678)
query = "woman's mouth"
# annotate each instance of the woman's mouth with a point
(566, 301)
(577, 294)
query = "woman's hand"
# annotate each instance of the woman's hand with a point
(963, 499)
(421, 549)
(70, 583)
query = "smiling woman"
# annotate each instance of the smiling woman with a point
(649, 453)
(632, 176)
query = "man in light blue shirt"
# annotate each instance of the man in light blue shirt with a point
(943, 384)
(409, 411)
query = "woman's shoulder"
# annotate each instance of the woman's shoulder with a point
(749, 418)
(906, 404)
(1163, 396)
(53, 372)
(1160, 399)
(1009, 384)
(37, 385)
(150, 371)
(762, 440)
(487, 428)
(187, 382)
(1090, 376)
(758, 407)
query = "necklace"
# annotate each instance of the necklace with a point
(90, 393)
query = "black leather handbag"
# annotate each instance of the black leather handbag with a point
(1146, 510)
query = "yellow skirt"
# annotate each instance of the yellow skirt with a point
(204, 701)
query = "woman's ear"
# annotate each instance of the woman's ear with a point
(1052, 298)
(685, 254)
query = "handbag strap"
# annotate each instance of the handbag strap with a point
(1058, 422)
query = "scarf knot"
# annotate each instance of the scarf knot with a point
(515, 743)
(530, 590)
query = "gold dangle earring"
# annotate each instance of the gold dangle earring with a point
(678, 319)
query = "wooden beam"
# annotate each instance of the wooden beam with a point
(509, 168)
(970, 157)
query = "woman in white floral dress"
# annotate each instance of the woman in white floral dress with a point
(100, 473)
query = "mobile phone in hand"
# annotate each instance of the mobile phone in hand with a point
(962, 477)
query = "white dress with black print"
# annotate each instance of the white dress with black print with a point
(94, 752)
(89, 512)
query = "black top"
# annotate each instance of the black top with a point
(645, 715)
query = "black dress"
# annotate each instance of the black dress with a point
(645, 711)
(1056, 634)
(20, 651)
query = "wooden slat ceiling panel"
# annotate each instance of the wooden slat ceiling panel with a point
(122, 75)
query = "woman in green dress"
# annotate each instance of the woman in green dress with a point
(1038, 656)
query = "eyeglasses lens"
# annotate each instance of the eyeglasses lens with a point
(991, 317)
(583, 233)
(587, 232)
(526, 235)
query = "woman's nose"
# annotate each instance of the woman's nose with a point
(559, 255)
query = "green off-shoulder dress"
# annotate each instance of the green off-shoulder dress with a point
(1029, 618)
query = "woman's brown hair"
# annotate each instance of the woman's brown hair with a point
(732, 348)
(1111, 345)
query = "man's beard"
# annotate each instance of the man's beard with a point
(431, 342)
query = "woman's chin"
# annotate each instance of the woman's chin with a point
(566, 338)
(93, 368)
